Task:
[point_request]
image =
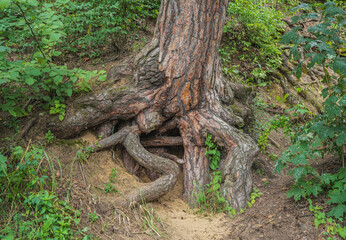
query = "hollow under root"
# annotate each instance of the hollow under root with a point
(169, 170)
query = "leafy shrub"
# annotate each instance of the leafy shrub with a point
(30, 33)
(28, 209)
(325, 134)
(96, 24)
(254, 25)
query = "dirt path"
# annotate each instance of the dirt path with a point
(273, 216)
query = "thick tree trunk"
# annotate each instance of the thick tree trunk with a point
(177, 83)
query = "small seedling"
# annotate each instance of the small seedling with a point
(49, 137)
(273, 157)
(109, 187)
(260, 171)
(93, 217)
(255, 194)
(84, 154)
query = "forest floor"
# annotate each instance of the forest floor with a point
(272, 216)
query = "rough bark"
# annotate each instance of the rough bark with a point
(177, 83)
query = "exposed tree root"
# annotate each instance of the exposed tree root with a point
(235, 166)
(166, 167)
(129, 138)
(162, 141)
(175, 83)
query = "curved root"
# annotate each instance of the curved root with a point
(129, 138)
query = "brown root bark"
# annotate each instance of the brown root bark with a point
(129, 138)
(235, 167)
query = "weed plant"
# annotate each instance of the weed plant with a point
(209, 197)
(29, 205)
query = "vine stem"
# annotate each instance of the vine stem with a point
(343, 155)
(32, 32)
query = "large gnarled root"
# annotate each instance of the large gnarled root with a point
(235, 167)
(129, 138)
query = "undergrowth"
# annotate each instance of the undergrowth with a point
(209, 198)
(252, 33)
(325, 133)
(35, 36)
(29, 205)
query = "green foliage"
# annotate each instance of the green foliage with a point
(332, 227)
(325, 134)
(84, 153)
(109, 188)
(30, 38)
(253, 32)
(209, 197)
(277, 122)
(255, 194)
(58, 108)
(93, 217)
(49, 137)
(28, 209)
(90, 29)
(324, 47)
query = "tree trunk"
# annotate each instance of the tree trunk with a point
(176, 83)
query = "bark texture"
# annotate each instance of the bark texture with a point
(177, 84)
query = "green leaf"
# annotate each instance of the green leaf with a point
(331, 11)
(4, 4)
(316, 59)
(103, 78)
(47, 224)
(341, 139)
(338, 211)
(291, 36)
(30, 81)
(298, 70)
(57, 79)
(33, 3)
(57, 53)
(3, 165)
(314, 189)
(55, 37)
(3, 48)
(17, 152)
(298, 172)
(12, 112)
(3, 80)
(299, 159)
(319, 219)
(69, 92)
(296, 193)
(337, 197)
(339, 66)
(342, 232)
(35, 72)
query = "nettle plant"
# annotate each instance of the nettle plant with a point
(325, 134)
(30, 32)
